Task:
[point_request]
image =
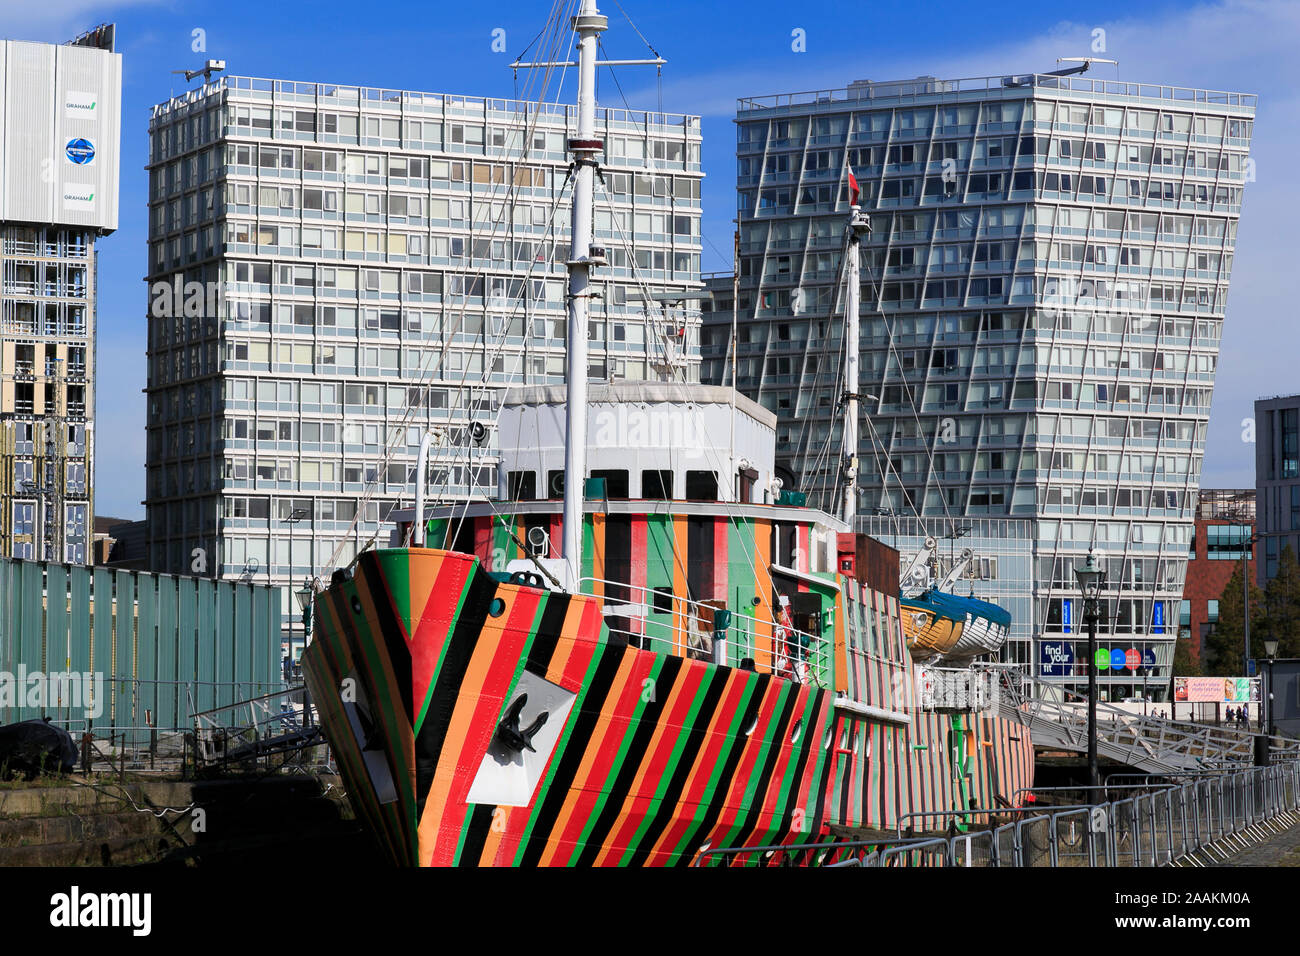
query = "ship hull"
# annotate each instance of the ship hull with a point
(642, 758)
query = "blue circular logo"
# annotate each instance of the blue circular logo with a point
(1117, 661)
(80, 151)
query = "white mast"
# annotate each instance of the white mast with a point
(588, 24)
(857, 227)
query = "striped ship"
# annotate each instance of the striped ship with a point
(726, 673)
(644, 646)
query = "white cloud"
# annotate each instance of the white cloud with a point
(58, 21)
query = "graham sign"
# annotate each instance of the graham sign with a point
(1216, 690)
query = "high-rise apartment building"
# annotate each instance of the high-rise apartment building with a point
(367, 264)
(1277, 481)
(59, 129)
(1043, 295)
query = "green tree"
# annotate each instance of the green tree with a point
(1225, 647)
(1184, 664)
(1281, 618)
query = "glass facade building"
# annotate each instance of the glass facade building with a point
(333, 270)
(1043, 295)
(1277, 481)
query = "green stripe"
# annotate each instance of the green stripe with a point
(671, 767)
(563, 741)
(625, 745)
(522, 661)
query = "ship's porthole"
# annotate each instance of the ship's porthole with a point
(829, 739)
(497, 607)
(844, 739)
(753, 725)
(797, 732)
(855, 740)
(356, 604)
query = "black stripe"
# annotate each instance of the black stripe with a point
(769, 765)
(593, 703)
(645, 728)
(480, 822)
(696, 736)
(840, 726)
(823, 779)
(796, 768)
(446, 689)
(547, 635)
(730, 765)
(374, 580)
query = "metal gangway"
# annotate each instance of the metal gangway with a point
(1058, 720)
(256, 729)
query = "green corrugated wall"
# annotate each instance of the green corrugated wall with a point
(161, 644)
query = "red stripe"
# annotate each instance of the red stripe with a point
(657, 762)
(586, 792)
(710, 756)
(436, 622)
(721, 543)
(460, 760)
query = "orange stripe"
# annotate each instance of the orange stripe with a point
(434, 832)
(764, 613)
(697, 781)
(671, 720)
(681, 612)
(603, 747)
(582, 617)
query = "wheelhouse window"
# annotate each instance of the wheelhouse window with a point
(657, 483)
(701, 486)
(521, 485)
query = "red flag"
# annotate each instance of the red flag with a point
(854, 190)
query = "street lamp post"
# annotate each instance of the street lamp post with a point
(1092, 579)
(1266, 704)
(305, 594)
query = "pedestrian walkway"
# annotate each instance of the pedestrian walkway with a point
(1058, 721)
(1281, 850)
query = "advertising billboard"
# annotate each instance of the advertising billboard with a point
(60, 125)
(1216, 690)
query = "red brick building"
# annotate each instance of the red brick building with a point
(1225, 527)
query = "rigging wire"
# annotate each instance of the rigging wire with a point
(370, 490)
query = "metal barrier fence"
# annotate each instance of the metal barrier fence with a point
(1182, 820)
(133, 717)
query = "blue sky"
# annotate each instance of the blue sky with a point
(716, 52)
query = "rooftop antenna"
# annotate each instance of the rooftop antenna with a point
(206, 71)
(1087, 61)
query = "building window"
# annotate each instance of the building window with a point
(1212, 612)
(1290, 442)
(1226, 542)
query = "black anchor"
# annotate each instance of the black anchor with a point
(508, 729)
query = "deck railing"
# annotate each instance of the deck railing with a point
(659, 620)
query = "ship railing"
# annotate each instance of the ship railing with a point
(1195, 819)
(656, 619)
